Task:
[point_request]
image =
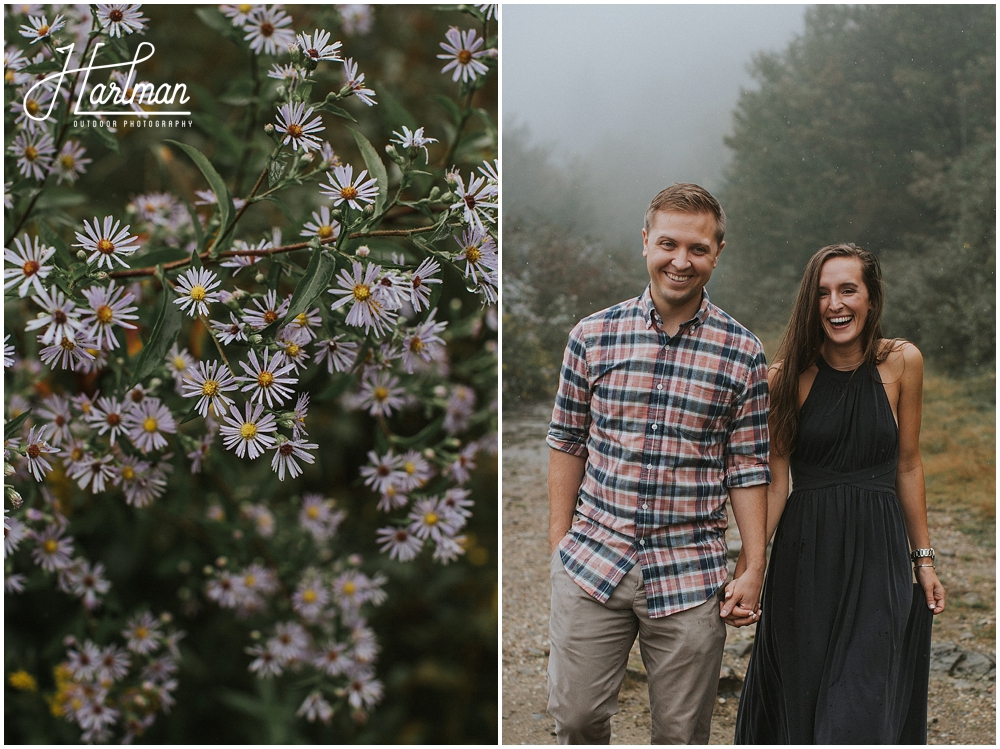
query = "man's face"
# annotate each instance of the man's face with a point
(681, 252)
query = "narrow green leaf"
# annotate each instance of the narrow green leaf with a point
(12, 427)
(54, 240)
(218, 185)
(316, 279)
(107, 139)
(165, 330)
(451, 106)
(334, 109)
(199, 233)
(394, 114)
(42, 67)
(375, 168)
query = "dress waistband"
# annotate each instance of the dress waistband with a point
(880, 478)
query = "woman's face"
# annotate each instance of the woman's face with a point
(843, 300)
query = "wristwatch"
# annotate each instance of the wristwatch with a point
(919, 553)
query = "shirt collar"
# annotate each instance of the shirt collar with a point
(652, 317)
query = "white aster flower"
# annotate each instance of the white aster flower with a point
(429, 520)
(70, 353)
(356, 18)
(8, 353)
(364, 690)
(147, 423)
(142, 633)
(343, 188)
(399, 542)
(310, 598)
(475, 201)
(88, 583)
(423, 342)
(479, 252)
(356, 82)
(180, 364)
(463, 51)
(119, 19)
(317, 47)
(315, 707)
(108, 244)
(268, 379)
(34, 153)
(210, 383)
(37, 449)
(40, 28)
(30, 265)
(267, 33)
(108, 414)
(59, 316)
(414, 140)
(194, 290)
(53, 551)
(229, 331)
(381, 394)
(266, 663)
(108, 307)
(248, 433)
(266, 313)
(369, 305)
(324, 227)
(285, 455)
(239, 14)
(339, 355)
(93, 472)
(292, 122)
(69, 164)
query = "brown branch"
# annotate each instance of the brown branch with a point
(138, 272)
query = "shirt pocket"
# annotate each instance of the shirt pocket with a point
(702, 414)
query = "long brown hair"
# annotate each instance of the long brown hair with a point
(804, 335)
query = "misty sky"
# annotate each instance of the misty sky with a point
(645, 91)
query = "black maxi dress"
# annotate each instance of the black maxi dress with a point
(842, 649)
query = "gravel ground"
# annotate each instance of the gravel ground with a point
(962, 696)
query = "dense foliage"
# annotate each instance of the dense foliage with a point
(251, 376)
(876, 126)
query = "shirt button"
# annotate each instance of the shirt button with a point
(654, 427)
(645, 506)
(659, 386)
(649, 466)
(642, 542)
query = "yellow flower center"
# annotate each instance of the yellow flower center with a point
(150, 424)
(248, 431)
(68, 345)
(473, 254)
(325, 231)
(30, 268)
(128, 473)
(31, 153)
(197, 293)
(43, 30)
(245, 8)
(32, 107)
(250, 580)
(301, 319)
(295, 130)
(309, 596)
(265, 379)
(410, 467)
(141, 633)
(348, 193)
(431, 518)
(465, 57)
(292, 349)
(362, 293)
(50, 546)
(349, 588)
(416, 345)
(67, 160)
(105, 314)
(312, 512)
(105, 246)
(210, 388)
(380, 394)
(179, 363)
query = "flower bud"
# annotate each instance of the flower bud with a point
(221, 561)
(14, 497)
(8, 469)
(429, 453)
(81, 255)
(155, 383)
(307, 157)
(363, 251)
(207, 569)
(260, 278)
(440, 391)
(354, 560)
(256, 339)
(269, 128)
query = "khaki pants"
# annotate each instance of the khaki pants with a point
(590, 643)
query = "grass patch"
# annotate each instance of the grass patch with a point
(958, 447)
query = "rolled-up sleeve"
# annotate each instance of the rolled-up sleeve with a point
(571, 414)
(746, 453)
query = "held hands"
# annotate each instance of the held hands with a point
(933, 589)
(741, 605)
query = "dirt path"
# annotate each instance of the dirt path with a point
(962, 695)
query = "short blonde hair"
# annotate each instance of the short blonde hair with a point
(685, 197)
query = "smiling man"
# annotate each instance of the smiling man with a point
(661, 413)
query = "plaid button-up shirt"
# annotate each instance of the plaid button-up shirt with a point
(666, 424)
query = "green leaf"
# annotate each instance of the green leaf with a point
(451, 106)
(375, 168)
(107, 139)
(42, 67)
(315, 281)
(212, 18)
(54, 240)
(165, 330)
(160, 257)
(12, 427)
(199, 233)
(332, 108)
(218, 185)
(394, 114)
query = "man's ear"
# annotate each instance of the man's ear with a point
(644, 239)
(719, 252)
